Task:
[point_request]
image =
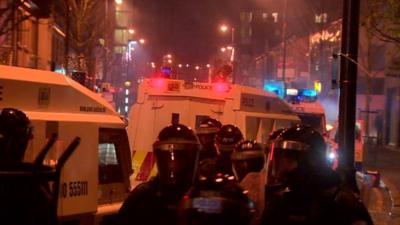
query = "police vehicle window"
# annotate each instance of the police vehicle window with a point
(114, 155)
(282, 124)
(199, 119)
(315, 121)
(175, 118)
(107, 154)
(252, 127)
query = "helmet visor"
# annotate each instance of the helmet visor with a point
(280, 162)
(176, 163)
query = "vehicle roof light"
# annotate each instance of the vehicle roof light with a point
(309, 93)
(221, 87)
(292, 91)
(158, 83)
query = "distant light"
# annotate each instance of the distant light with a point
(329, 127)
(187, 65)
(309, 93)
(169, 56)
(126, 108)
(197, 67)
(119, 2)
(208, 65)
(153, 65)
(223, 28)
(229, 47)
(142, 41)
(180, 65)
(195, 79)
(169, 61)
(223, 49)
(131, 31)
(60, 70)
(219, 180)
(127, 84)
(317, 86)
(126, 91)
(292, 91)
(331, 155)
(126, 100)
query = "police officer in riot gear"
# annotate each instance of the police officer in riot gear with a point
(216, 201)
(15, 132)
(206, 132)
(225, 140)
(248, 166)
(247, 157)
(301, 187)
(155, 202)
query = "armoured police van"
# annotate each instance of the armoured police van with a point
(95, 179)
(161, 102)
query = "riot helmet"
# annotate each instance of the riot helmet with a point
(295, 153)
(15, 132)
(215, 201)
(206, 133)
(226, 139)
(248, 156)
(176, 150)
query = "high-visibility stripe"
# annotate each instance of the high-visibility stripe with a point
(146, 167)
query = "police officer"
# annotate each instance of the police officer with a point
(206, 132)
(155, 202)
(216, 201)
(248, 163)
(15, 132)
(24, 199)
(225, 140)
(302, 188)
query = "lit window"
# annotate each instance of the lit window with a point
(275, 15)
(126, 100)
(126, 91)
(126, 108)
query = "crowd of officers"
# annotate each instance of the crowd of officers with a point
(214, 176)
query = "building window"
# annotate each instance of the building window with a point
(275, 16)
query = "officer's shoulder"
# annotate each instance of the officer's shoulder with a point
(145, 188)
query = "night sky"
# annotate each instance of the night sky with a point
(187, 29)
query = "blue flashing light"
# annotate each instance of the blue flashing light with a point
(275, 87)
(309, 93)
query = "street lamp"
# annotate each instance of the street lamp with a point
(223, 28)
(131, 31)
(142, 41)
(119, 2)
(223, 49)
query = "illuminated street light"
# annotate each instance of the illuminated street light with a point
(180, 65)
(223, 28)
(223, 49)
(131, 31)
(208, 65)
(119, 2)
(169, 61)
(197, 67)
(169, 56)
(187, 65)
(153, 65)
(142, 41)
(229, 47)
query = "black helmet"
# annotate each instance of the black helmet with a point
(15, 132)
(248, 156)
(299, 149)
(215, 201)
(227, 137)
(176, 150)
(206, 133)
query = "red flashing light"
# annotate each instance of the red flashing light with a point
(158, 83)
(221, 87)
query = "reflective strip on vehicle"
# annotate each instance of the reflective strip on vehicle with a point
(146, 168)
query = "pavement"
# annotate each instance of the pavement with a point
(383, 199)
